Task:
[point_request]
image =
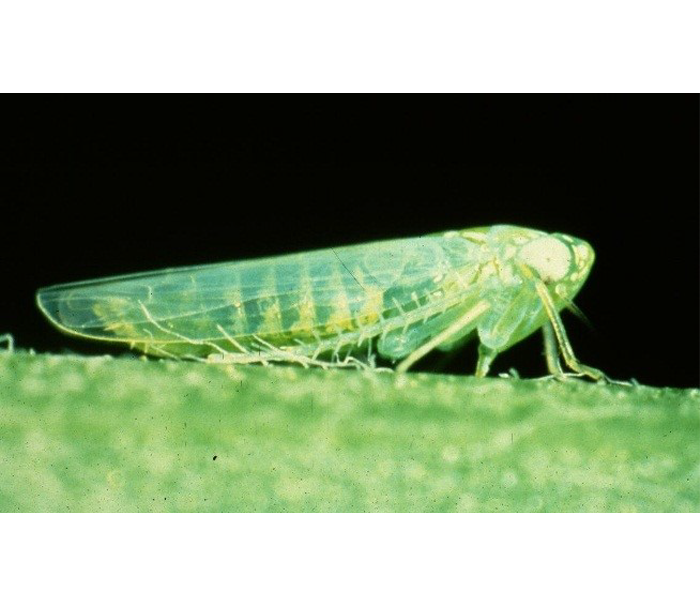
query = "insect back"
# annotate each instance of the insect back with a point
(401, 298)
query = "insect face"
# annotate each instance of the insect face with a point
(561, 261)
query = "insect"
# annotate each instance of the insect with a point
(399, 299)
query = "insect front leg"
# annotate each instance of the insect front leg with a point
(565, 348)
(551, 351)
(486, 357)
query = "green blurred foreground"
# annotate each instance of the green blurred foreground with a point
(103, 434)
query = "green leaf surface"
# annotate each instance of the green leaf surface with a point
(106, 434)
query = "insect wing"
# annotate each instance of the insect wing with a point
(298, 294)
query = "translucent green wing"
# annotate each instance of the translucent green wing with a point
(303, 296)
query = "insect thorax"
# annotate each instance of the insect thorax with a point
(512, 260)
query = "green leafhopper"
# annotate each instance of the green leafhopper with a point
(399, 299)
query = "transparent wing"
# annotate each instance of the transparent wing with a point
(294, 293)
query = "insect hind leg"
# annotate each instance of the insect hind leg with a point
(263, 352)
(443, 336)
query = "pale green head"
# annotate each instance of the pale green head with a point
(561, 261)
(524, 277)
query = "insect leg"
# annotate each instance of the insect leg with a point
(231, 340)
(282, 355)
(486, 356)
(550, 350)
(445, 334)
(177, 335)
(565, 348)
(243, 356)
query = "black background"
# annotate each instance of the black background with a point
(102, 185)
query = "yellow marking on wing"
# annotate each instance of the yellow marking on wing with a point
(124, 330)
(110, 307)
(307, 315)
(109, 311)
(272, 318)
(371, 310)
(341, 317)
(306, 306)
(237, 312)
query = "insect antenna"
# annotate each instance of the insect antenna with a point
(580, 314)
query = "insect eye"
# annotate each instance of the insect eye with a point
(550, 257)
